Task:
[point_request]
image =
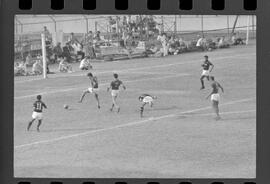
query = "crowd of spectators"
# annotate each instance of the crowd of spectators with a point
(129, 29)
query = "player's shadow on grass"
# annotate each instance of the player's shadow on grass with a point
(162, 108)
(237, 118)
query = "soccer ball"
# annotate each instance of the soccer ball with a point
(65, 106)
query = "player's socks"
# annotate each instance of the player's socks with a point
(141, 111)
(29, 125)
(39, 123)
(111, 109)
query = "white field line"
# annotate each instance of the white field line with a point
(102, 84)
(126, 125)
(139, 68)
(222, 113)
(127, 70)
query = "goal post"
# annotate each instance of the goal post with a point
(43, 44)
(247, 33)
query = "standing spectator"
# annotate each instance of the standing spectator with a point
(66, 52)
(28, 59)
(72, 39)
(57, 51)
(163, 39)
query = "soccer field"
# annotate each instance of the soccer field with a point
(177, 138)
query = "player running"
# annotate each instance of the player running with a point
(215, 97)
(115, 91)
(206, 70)
(37, 113)
(92, 89)
(146, 99)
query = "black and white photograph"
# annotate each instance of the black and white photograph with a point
(134, 96)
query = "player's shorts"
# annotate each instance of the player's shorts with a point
(215, 97)
(93, 90)
(148, 99)
(37, 115)
(115, 92)
(205, 73)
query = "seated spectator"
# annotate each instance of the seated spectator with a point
(85, 64)
(20, 69)
(64, 66)
(37, 68)
(199, 43)
(237, 40)
(222, 43)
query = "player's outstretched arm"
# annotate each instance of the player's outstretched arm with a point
(44, 105)
(212, 67)
(124, 87)
(222, 89)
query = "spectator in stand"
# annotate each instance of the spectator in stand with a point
(47, 35)
(64, 66)
(28, 59)
(85, 64)
(89, 38)
(97, 36)
(236, 40)
(163, 39)
(57, 51)
(78, 50)
(72, 39)
(37, 67)
(66, 52)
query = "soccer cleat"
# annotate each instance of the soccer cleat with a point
(202, 87)
(118, 110)
(79, 101)
(99, 106)
(111, 109)
(38, 130)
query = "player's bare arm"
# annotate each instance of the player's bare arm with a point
(124, 87)
(222, 89)
(212, 67)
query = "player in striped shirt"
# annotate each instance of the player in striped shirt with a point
(206, 70)
(37, 113)
(115, 91)
(92, 89)
(146, 99)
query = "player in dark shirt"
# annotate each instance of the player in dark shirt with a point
(115, 91)
(37, 113)
(146, 99)
(215, 97)
(207, 68)
(93, 89)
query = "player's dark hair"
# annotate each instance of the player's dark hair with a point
(39, 97)
(90, 74)
(115, 75)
